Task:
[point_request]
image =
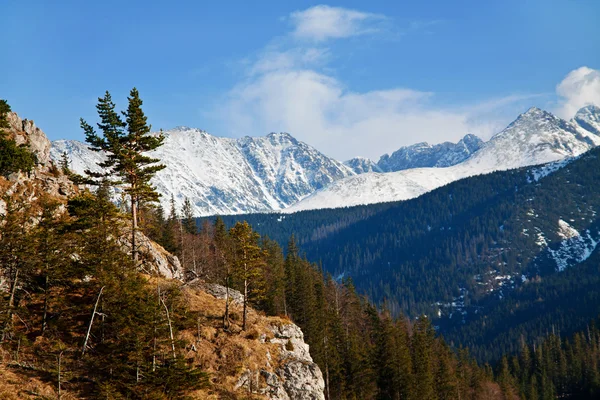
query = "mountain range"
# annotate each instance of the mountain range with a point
(277, 172)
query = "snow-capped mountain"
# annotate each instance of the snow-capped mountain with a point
(588, 118)
(228, 176)
(535, 137)
(424, 155)
(362, 165)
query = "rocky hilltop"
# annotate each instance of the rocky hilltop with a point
(268, 361)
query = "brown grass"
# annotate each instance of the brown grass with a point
(17, 384)
(226, 355)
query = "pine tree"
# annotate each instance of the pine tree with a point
(187, 213)
(248, 265)
(422, 359)
(124, 143)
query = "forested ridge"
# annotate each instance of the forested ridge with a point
(481, 252)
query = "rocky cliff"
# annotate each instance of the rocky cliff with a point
(270, 360)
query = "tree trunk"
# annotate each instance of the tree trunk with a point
(226, 316)
(134, 227)
(245, 304)
(87, 336)
(170, 329)
(11, 303)
(44, 318)
(182, 245)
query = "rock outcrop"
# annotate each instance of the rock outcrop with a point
(154, 258)
(270, 360)
(24, 131)
(298, 375)
(46, 179)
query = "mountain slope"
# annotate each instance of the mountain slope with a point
(228, 176)
(496, 244)
(361, 165)
(424, 155)
(535, 137)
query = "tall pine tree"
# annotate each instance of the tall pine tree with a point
(124, 143)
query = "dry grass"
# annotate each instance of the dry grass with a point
(18, 384)
(226, 355)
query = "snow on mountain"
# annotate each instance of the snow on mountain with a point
(588, 118)
(535, 137)
(362, 165)
(424, 155)
(228, 176)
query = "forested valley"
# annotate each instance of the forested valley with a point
(83, 313)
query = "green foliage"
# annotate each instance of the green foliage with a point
(74, 292)
(555, 368)
(13, 158)
(125, 144)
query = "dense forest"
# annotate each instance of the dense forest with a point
(478, 256)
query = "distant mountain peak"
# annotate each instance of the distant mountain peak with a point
(223, 175)
(423, 154)
(588, 118)
(362, 165)
(589, 109)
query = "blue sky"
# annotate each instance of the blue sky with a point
(351, 78)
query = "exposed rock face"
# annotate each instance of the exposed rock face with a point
(25, 132)
(300, 377)
(154, 258)
(296, 378)
(219, 291)
(423, 155)
(280, 366)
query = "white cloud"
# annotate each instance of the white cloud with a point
(324, 22)
(581, 87)
(318, 109)
(289, 88)
(273, 59)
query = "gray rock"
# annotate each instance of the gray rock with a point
(291, 339)
(423, 155)
(34, 137)
(298, 375)
(302, 380)
(219, 291)
(154, 258)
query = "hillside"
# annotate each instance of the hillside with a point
(460, 252)
(57, 260)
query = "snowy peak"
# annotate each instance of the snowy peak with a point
(588, 118)
(228, 176)
(362, 165)
(423, 155)
(535, 137)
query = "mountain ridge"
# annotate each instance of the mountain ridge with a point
(275, 172)
(534, 137)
